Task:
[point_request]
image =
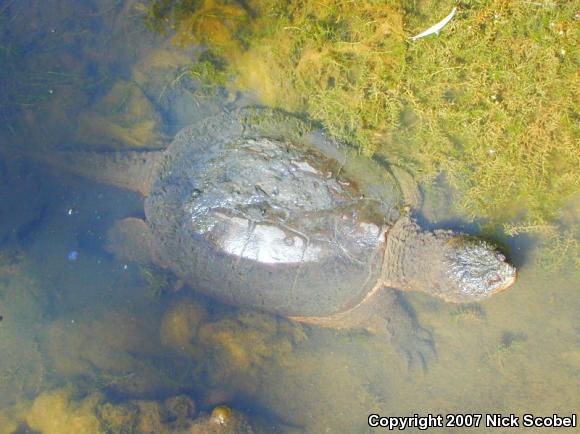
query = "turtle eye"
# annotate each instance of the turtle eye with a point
(494, 279)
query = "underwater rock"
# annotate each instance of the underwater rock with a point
(247, 340)
(229, 348)
(222, 420)
(230, 342)
(179, 326)
(58, 412)
(124, 117)
(113, 349)
(69, 411)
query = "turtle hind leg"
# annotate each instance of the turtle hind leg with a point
(382, 312)
(130, 239)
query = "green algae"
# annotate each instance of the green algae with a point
(210, 73)
(558, 246)
(159, 282)
(228, 346)
(71, 409)
(509, 343)
(470, 312)
(496, 99)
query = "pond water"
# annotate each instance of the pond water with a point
(90, 343)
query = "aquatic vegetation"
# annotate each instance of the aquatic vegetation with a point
(175, 88)
(491, 102)
(509, 343)
(180, 408)
(160, 416)
(9, 421)
(239, 344)
(59, 412)
(42, 83)
(74, 410)
(159, 282)
(111, 349)
(338, 63)
(124, 116)
(179, 326)
(24, 84)
(470, 312)
(227, 344)
(159, 71)
(210, 73)
(559, 247)
(561, 252)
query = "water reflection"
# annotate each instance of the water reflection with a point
(99, 344)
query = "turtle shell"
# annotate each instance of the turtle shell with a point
(252, 213)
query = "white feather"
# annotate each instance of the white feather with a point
(437, 27)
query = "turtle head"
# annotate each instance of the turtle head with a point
(450, 265)
(475, 269)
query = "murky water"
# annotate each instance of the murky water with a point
(88, 341)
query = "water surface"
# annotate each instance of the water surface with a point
(89, 75)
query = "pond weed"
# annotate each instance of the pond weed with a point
(470, 312)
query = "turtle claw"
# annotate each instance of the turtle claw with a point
(398, 321)
(417, 347)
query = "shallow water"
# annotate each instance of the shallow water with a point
(88, 74)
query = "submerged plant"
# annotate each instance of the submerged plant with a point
(210, 73)
(559, 246)
(496, 107)
(42, 74)
(468, 312)
(508, 344)
(158, 281)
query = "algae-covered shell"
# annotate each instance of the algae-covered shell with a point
(256, 216)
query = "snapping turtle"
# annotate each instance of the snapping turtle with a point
(248, 210)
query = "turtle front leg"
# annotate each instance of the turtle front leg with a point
(383, 312)
(390, 315)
